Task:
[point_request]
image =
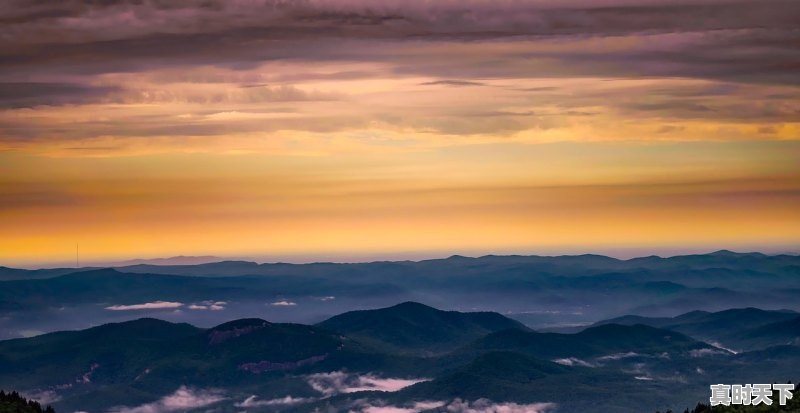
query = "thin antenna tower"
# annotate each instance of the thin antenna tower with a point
(77, 257)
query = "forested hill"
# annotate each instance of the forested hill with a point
(14, 403)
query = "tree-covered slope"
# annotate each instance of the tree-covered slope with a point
(12, 402)
(739, 328)
(149, 349)
(413, 327)
(597, 341)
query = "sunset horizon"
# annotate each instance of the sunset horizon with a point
(399, 206)
(76, 260)
(349, 127)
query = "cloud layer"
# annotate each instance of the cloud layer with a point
(184, 399)
(456, 406)
(155, 305)
(253, 401)
(210, 305)
(337, 382)
(246, 68)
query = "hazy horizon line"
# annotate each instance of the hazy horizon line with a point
(623, 254)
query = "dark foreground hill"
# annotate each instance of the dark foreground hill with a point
(162, 353)
(413, 327)
(509, 376)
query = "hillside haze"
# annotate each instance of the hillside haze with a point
(540, 292)
(454, 334)
(399, 355)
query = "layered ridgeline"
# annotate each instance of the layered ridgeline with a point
(408, 356)
(736, 329)
(539, 291)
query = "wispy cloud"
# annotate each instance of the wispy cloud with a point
(455, 406)
(43, 397)
(707, 352)
(574, 361)
(284, 303)
(486, 406)
(720, 346)
(451, 83)
(208, 305)
(253, 401)
(381, 408)
(337, 382)
(184, 399)
(155, 305)
(618, 356)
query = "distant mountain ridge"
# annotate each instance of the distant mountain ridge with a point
(176, 260)
(741, 329)
(182, 265)
(537, 291)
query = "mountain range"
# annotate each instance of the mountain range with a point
(497, 333)
(396, 356)
(540, 292)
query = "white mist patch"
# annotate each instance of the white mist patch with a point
(486, 406)
(457, 406)
(338, 382)
(619, 356)
(29, 333)
(183, 399)
(720, 346)
(284, 303)
(415, 408)
(706, 352)
(209, 305)
(253, 401)
(43, 397)
(573, 361)
(155, 305)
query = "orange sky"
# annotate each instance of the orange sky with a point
(403, 141)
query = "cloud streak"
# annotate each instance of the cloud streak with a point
(208, 305)
(283, 303)
(337, 382)
(456, 406)
(155, 305)
(183, 399)
(104, 75)
(253, 401)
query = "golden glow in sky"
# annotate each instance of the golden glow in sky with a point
(299, 131)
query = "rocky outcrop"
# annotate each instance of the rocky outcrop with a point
(218, 336)
(265, 365)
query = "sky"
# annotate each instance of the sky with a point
(352, 128)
